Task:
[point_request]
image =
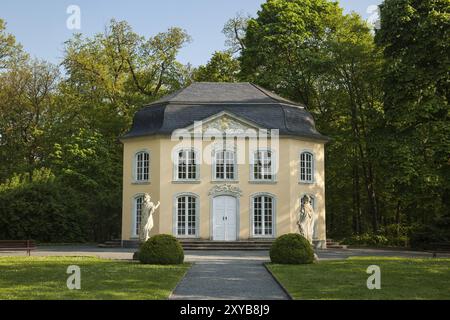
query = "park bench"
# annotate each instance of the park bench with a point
(17, 245)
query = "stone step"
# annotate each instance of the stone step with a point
(226, 245)
(228, 242)
(226, 248)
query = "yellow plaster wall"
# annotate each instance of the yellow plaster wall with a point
(287, 188)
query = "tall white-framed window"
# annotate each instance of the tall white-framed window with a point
(263, 215)
(142, 166)
(186, 165)
(224, 165)
(306, 167)
(137, 214)
(262, 166)
(186, 215)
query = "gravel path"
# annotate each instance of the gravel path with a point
(228, 275)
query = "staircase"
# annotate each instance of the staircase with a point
(331, 244)
(116, 243)
(226, 245)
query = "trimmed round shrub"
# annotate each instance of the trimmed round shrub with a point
(161, 249)
(291, 248)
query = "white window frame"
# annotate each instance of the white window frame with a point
(135, 225)
(234, 165)
(252, 215)
(303, 178)
(196, 215)
(177, 164)
(136, 167)
(272, 167)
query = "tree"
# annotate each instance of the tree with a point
(234, 31)
(107, 78)
(27, 112)
(9, 49)
(118, 71)
(86, 163)
(283, 46)
(312, 53)
(415, 37)
(222, 67)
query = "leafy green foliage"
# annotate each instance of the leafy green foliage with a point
(161, 249)
(235, 30)
(415, 38)
(382, 100)
(10, 51)
(221, 68)
(384, 103)
(291, 248)
(312, 53)
(86, 163)
(41, 207)
(427, 236)
(114, 73)
(71, 124)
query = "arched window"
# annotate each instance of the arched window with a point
(263, 207)
(262, 166)
(306, 167)
(186, 166)
(142, 166)
(137, 214)
(186, 215)
(224, 165)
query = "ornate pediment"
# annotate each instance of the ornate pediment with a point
(224, 122)
(225, 189)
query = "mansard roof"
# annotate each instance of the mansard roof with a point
(202, 100)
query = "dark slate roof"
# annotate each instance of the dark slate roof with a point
(202, 100)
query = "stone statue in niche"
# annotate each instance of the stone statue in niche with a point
(305, 219)
(147, 211)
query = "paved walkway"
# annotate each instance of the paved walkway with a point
(228, 275)
(191, 256)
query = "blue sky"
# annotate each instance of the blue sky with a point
(40, 26)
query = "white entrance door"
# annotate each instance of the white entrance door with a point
(224, 218)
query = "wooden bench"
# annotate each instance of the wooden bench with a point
(17, 245)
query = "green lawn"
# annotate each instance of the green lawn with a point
(45, 278)
(401, 278)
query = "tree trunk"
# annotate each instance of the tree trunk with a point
(356, 196)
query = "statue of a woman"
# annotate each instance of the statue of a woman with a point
(148, 208)
(305, 220)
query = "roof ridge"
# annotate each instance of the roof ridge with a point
(260, 89)
(275, 96)
(172, 95)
